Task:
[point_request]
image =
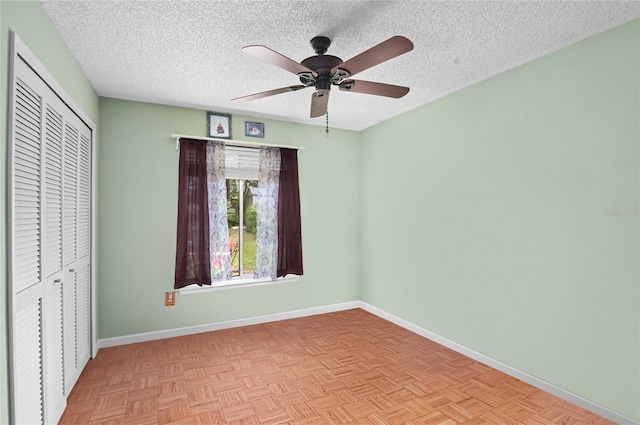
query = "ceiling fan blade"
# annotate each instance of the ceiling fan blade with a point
(319, 102)
(268, 93)
(389, 49)
(271, 56)
(369, 87)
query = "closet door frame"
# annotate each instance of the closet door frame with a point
(19, 50)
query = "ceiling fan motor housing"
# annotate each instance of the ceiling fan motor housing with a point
(322, 65)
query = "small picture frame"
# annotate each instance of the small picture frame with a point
(253, 129)
(218, 125)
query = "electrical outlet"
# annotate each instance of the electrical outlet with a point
(170, 298)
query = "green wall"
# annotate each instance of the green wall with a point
(137, 197)
(33, 26)
(505, 217)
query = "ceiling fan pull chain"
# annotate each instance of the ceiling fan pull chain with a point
(327, 125)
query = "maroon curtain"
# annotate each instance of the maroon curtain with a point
(193, 261)
(289, 227)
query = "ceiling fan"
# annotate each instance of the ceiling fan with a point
(322, 71)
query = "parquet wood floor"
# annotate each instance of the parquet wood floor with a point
(349, 367)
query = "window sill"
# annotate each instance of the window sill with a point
(236, 283)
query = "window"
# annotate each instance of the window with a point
(238, 214)
(241, 172)
(242, 219)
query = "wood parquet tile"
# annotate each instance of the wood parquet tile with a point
(345, 368)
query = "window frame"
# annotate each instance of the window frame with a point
(235, 284)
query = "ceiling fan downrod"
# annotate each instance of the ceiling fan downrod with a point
(320, 44)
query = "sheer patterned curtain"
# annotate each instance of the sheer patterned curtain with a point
(217, 202)
(267, 213)
(289, 223)
(192, 244)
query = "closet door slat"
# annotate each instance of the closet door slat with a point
(53, 353)
(84, 197)
(52, 191)
(70, 194)
(29, 408)
(83, 304)
(70, 331)
(26, 166)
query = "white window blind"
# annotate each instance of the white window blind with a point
(241, 163)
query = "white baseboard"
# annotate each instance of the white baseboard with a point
(228, 324)
(496, 364)
(502, 367)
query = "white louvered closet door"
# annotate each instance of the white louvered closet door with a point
(69, 231)
(26, 265)
(76, 230)
(50, 246)
(83, 285)
(52, 257)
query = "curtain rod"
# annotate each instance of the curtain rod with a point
(232, 142)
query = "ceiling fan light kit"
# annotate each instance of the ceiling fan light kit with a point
(322, 71)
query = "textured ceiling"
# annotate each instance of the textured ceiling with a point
(188, 53)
